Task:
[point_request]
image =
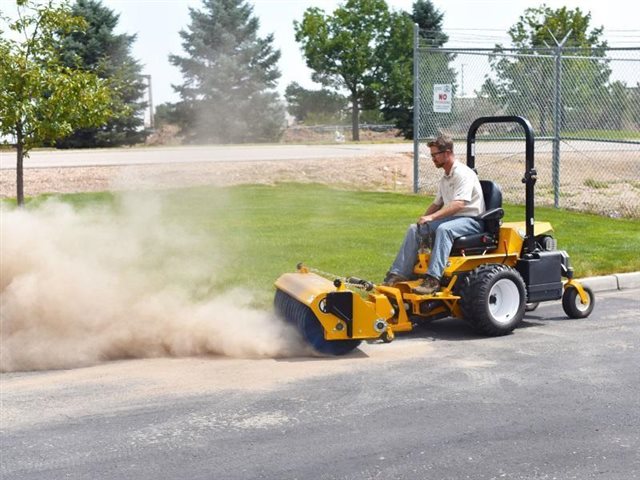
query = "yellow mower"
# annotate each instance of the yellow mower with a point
(490, 280)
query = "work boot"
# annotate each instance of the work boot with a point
(429, 285)
(392, 278)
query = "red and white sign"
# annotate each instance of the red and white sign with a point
(442, 97)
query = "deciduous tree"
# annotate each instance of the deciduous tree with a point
(526, 84)
(42, 99)
(367, 49)
(344, 50)
(318, 105)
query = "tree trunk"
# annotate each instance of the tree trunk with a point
(355, 119)
(19, 176)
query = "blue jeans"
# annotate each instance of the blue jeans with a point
(439, 235)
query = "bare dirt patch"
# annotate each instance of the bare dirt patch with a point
(611, 190)
(380, 171)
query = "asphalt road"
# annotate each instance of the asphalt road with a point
(558, 399)
(269, 152)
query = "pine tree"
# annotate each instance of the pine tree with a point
(229, 75)
(397, 94)
(429, 19)
(100, 51)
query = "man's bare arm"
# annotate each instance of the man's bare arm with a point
(434, 207)
(446, 211)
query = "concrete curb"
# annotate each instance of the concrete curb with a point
(618, 281)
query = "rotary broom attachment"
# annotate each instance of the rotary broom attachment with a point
(331, 318)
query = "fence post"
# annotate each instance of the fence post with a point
(557, 119)
(416, 108)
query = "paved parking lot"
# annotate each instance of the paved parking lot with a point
(557, 399)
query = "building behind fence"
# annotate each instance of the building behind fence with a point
(584, 106)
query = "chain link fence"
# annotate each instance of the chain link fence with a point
(584, 107)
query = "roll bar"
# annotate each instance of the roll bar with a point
(530, 174)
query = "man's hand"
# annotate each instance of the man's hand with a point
(434, 212)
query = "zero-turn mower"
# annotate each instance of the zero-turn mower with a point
(490, 280)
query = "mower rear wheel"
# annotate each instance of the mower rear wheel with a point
(573, 306)
(493, 299)
(309, 326)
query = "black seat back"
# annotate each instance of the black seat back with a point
(492, 200)
(492, 194)
(487, 240)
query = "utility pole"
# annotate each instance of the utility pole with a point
(150, 96)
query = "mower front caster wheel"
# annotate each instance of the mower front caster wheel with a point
(387, 337)
(530, 307)
(573, 306)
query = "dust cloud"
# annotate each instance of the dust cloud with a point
(82, 286)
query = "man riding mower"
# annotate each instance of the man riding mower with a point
(491, 274)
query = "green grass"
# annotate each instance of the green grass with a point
(608, 134)
(264, 231)
(597, 184)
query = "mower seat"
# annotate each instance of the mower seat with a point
(487, 240)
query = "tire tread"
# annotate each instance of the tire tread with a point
(474, 298)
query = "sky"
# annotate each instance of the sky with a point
(469, 23)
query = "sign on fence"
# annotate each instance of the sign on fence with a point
(442, 96)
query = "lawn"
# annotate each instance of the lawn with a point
(253, 233)
(606, 134)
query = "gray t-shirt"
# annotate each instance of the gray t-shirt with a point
(462, 183)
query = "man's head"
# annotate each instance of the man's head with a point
(442, 151)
